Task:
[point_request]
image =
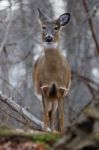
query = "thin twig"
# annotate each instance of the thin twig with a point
(7, 31)
(88, 104)
(87, 81)
(85, 78)
(91, 25)
(79, 30)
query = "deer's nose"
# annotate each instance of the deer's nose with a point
(49, 38)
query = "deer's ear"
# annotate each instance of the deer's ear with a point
(42, 15)
(64, 19)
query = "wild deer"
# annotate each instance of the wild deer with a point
(51, 72)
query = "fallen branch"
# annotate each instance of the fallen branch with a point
(37, 124)
(20, 120)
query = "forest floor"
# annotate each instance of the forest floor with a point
(83, 134)
(18, 139)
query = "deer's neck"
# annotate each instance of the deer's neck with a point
(53, 58)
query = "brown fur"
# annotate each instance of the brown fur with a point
(51, 68)
(51, 73)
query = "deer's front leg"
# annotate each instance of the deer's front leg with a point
(45, 115)
(61, 114)
(53, 114)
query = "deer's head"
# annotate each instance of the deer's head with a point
(51, 28)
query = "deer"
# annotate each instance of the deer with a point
(51, 71)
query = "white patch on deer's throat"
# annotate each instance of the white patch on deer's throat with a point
(50, 45)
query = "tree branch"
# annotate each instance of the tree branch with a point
(91, 25)
(22, 111)
(90, 83)
(7, 31)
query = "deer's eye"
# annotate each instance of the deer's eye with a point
(43, 27)
(56, 28)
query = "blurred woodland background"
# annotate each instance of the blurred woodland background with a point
(20, 45)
